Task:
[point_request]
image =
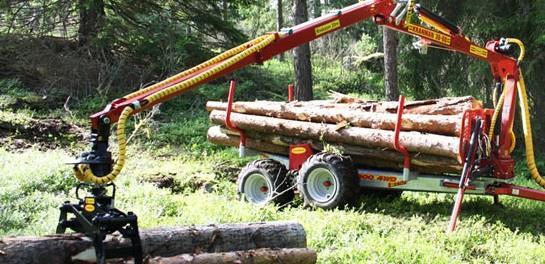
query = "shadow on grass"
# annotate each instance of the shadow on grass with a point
(514, 213)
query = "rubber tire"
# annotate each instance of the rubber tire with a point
(340, 167)
(275, 172)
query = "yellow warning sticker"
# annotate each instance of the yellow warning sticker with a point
(298, 150)
(478, 51)
(327, 27)
(430, 34)
(89, 208)
(89, 200)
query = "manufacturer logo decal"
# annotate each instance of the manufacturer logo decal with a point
(478, 51)
(430, 34)
(390, 180)
(327, 27)
(298, 150)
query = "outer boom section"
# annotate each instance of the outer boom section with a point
(380, 10)
(286, 40)
(501, 65)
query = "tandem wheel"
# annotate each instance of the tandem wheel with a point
(264, 181)
(328, 180)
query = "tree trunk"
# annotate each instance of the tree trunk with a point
(279, 21)
(415, 142)
(435, 124)
(225, 9)
(163, 242)
(371, 157)
(316, 8)
(390, 64)
(303, 69)
(268, 256)
(91, 20)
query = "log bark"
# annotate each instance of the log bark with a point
(217, 136)
(258, 256)
(163, 242)
(440, 106)
(374, 158)
(415, 142)
(435, 124)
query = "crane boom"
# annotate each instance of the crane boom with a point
(434, 31)
(379, 10)
(98, 168)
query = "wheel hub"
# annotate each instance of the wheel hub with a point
(257, 189)
(321, 185)
(327, 184)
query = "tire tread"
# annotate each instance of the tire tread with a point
(275, 171)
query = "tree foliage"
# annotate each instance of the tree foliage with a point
(157, 38)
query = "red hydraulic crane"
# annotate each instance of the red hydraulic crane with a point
(96, 216)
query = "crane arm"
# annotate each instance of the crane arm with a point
(96, 166)
(442, 33)
(284, 41)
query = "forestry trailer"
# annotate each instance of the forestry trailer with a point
(324, 179)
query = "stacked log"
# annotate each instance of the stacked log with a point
(378, 158)
(362, 129)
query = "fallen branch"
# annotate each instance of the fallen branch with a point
(143, 121)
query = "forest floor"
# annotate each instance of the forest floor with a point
(174, 177)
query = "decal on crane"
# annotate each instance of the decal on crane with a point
(328, 27)
(478, 51)
(430, 34)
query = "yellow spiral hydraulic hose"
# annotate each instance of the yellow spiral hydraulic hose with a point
(502, 97)
(521, 46)
(227, 63)
(497, 111)
(228, 54)
(83, 171)
(526, 122)
(495, 119)
(527, 129)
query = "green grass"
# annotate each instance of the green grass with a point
(406, 230)
(411, 229)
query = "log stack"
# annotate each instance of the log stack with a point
(362, 129)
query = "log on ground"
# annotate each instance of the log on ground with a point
(435, 124)
(258, 256)
(163, 242)
(414, 141)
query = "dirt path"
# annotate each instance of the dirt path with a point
(43, 133)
